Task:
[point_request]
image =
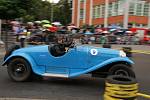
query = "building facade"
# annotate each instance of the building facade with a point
(125, 13)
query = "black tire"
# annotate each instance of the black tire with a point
(123, 80)
(10, 50)
(122, 69)
(19, 70)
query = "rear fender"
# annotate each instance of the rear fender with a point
(36, 69)
(103, 64)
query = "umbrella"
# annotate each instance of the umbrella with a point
(111, 30)
(47, 25)
(129, 32)
(38, 22)
(57, 23)
(105, 32)
(88, 33)
(114, 27)
(30, 23)
(72, 26)
(15, 22)
(45, 21)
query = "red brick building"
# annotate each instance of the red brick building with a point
(108, 12)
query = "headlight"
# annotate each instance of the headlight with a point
(122, 54)
(94, 52)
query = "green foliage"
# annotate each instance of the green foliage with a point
(64, 11)
(28, 18)
(9, 9)
(31, 10)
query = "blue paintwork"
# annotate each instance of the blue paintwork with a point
(76, 61)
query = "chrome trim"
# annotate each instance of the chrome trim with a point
(55, 75)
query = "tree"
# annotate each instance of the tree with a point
(30, 10)
(9, 9)
(63, 9)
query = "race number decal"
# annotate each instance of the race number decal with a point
(94, 52)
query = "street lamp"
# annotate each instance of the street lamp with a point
(52, 9)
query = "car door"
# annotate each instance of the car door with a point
(72, 60)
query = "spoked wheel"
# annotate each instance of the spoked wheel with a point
(122, 70)
(19, 70)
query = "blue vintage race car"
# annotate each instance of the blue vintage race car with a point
(67, 62)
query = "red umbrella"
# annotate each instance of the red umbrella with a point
(105, 32)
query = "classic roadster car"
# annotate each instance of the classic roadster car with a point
(66, 62)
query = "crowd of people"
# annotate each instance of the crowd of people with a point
(45, 32)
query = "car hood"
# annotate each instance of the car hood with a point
(41, 48)
(99, 50)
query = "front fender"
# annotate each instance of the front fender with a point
(100, 65)
(36, 69)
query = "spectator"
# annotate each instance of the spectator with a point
(53, 29)
(22, 35)
(103, 39)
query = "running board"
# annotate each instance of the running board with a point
(55, 75)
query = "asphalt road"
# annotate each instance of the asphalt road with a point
(80, 88)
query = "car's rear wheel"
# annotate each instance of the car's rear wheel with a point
(19, 70)
(122, 69)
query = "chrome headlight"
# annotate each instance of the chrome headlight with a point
(122, 54)
(94, 52)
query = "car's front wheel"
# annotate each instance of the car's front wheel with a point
(122, 69)
(19, 70)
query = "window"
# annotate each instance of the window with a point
(120, 7)
(146, 9)
(94, 12)
(139, 9)
(103, 10)
(132, 9)
(97, 11)
(100, 11)
(115, 9)
(110, 10)
(81, 13)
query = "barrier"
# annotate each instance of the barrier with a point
(122, 88)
